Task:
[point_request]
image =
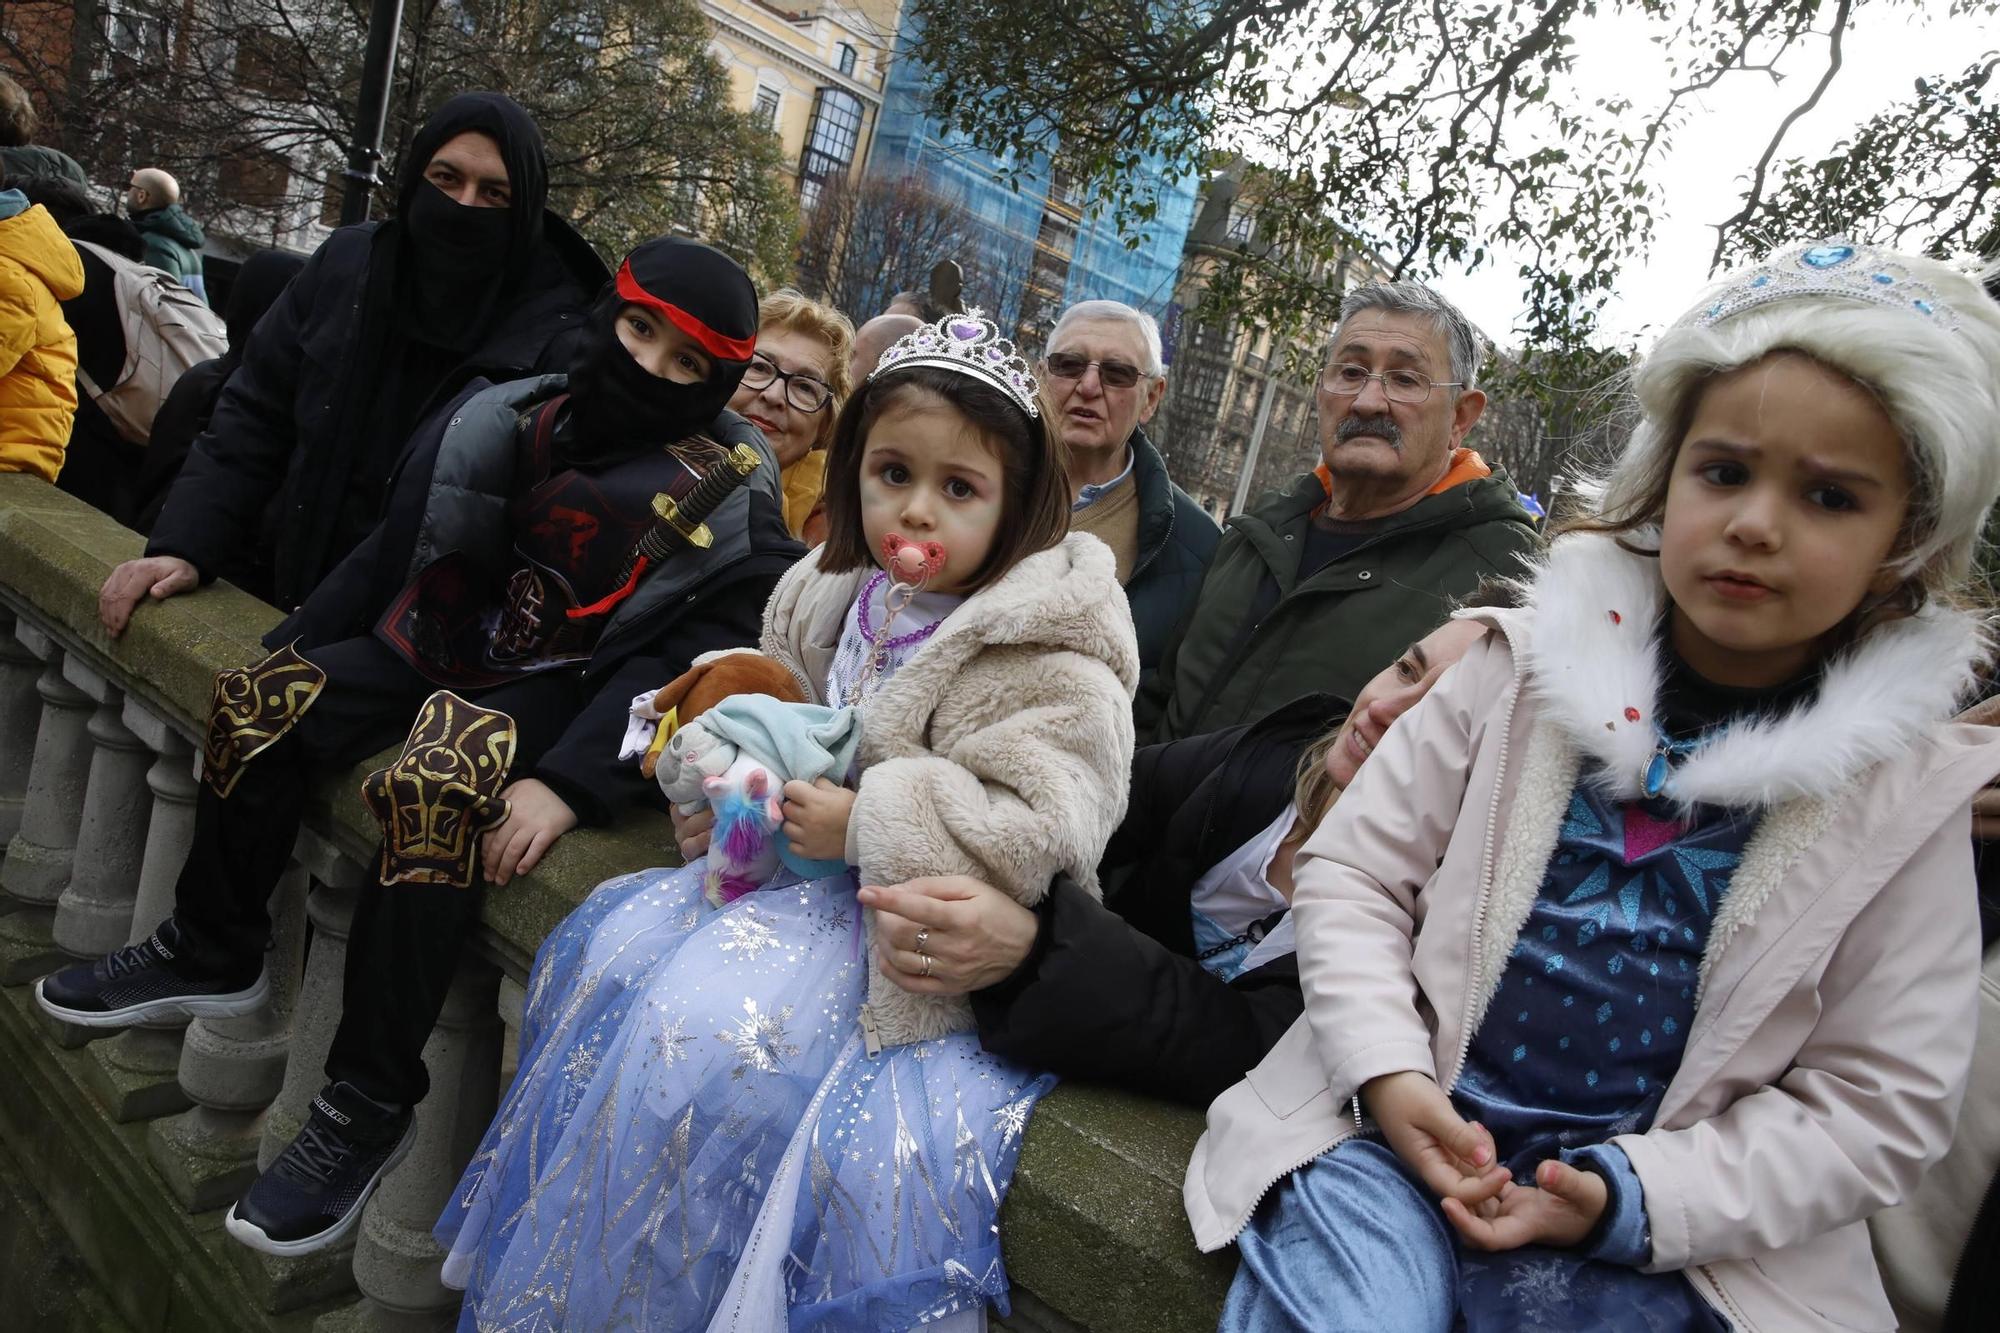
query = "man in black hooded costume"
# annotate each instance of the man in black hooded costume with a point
(519, 566)
(474, 277)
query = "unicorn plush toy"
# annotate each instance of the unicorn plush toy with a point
(729, 733)
(735, 728)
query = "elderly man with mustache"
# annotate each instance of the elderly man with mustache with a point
(1319, 586)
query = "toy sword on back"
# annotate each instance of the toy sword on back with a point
(679, 525)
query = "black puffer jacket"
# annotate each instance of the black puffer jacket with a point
(451, 493)
(271, 467)
(1112, 991)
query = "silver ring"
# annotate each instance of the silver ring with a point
(926, 960)
(923, 937)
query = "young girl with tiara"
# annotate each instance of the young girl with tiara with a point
(728, 1116)
(1641, 959)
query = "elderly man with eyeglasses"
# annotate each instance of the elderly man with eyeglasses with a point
(1319, 586)
(1105, 379)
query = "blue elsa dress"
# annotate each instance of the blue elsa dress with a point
(698, 1139)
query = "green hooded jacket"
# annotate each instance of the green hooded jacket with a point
(173, 242)
(1332, 632)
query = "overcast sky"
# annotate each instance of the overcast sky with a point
(1702, 178)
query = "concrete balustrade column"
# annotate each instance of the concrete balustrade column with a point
(231, 1068)
(40, 854)
(173, 784)
(396, 1262)
(137, 1073)
(336, 880)
(20, 716)
(330, 909)
(94, 915)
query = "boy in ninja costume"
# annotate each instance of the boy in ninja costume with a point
(512, 570)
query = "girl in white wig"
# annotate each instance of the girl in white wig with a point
(1648, 941)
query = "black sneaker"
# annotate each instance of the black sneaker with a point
(145, 983)
(313, 1193)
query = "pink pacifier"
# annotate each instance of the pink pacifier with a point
(911, 562)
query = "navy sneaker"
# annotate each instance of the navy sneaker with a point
(146, 983)
(313, 1193)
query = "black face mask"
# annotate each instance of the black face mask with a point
(458, 252)
(618, 409)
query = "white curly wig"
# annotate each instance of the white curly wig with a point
(1940, 386)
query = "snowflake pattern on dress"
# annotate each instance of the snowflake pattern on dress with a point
(675, 1057)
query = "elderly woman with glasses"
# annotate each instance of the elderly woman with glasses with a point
(792, 391)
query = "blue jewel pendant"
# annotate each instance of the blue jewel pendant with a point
(1656, 774)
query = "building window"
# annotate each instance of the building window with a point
(1239, 224)
(830, 142)
(261, 61)
(843, 55)
(130, 31)
(254, 177)
(765, 111)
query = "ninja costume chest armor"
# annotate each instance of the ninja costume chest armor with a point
(574, 535)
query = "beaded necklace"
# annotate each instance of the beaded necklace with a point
(894, 603)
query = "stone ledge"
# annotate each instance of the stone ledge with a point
(56, 553)
(1094, 1226)
(48, 1286)
(156, 1267)
(1093, 1229)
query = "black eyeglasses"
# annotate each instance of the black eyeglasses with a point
(1111, 374)
(1345, 379)
(805, 391)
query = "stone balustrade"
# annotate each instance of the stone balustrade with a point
(128, 1146)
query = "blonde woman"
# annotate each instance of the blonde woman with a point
(797, 380)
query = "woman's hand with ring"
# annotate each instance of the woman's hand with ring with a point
(948, 935)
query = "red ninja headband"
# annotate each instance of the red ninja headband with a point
(716, 344)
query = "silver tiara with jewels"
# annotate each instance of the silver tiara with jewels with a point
(1837, 268)
(970, 344)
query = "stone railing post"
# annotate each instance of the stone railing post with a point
(330, 909)
(171, 832)
(396, 1262)
(231, 1068)
(94, 915)
(20, 715)
(40, 854)
(137, 1072)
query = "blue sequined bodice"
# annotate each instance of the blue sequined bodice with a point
(1590, 1018)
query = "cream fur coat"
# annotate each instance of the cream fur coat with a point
(1001, 750)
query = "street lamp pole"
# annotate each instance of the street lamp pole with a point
(385, 21)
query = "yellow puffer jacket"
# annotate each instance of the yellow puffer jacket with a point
(38, 268)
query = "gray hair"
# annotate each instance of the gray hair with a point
(1149, 329)
(1413, 298)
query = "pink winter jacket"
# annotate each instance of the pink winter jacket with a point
(1837, 1007)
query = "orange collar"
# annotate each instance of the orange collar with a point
(1466, 465)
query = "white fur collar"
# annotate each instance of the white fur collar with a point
(1587, 666)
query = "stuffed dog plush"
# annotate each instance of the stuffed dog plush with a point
(713, 678)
